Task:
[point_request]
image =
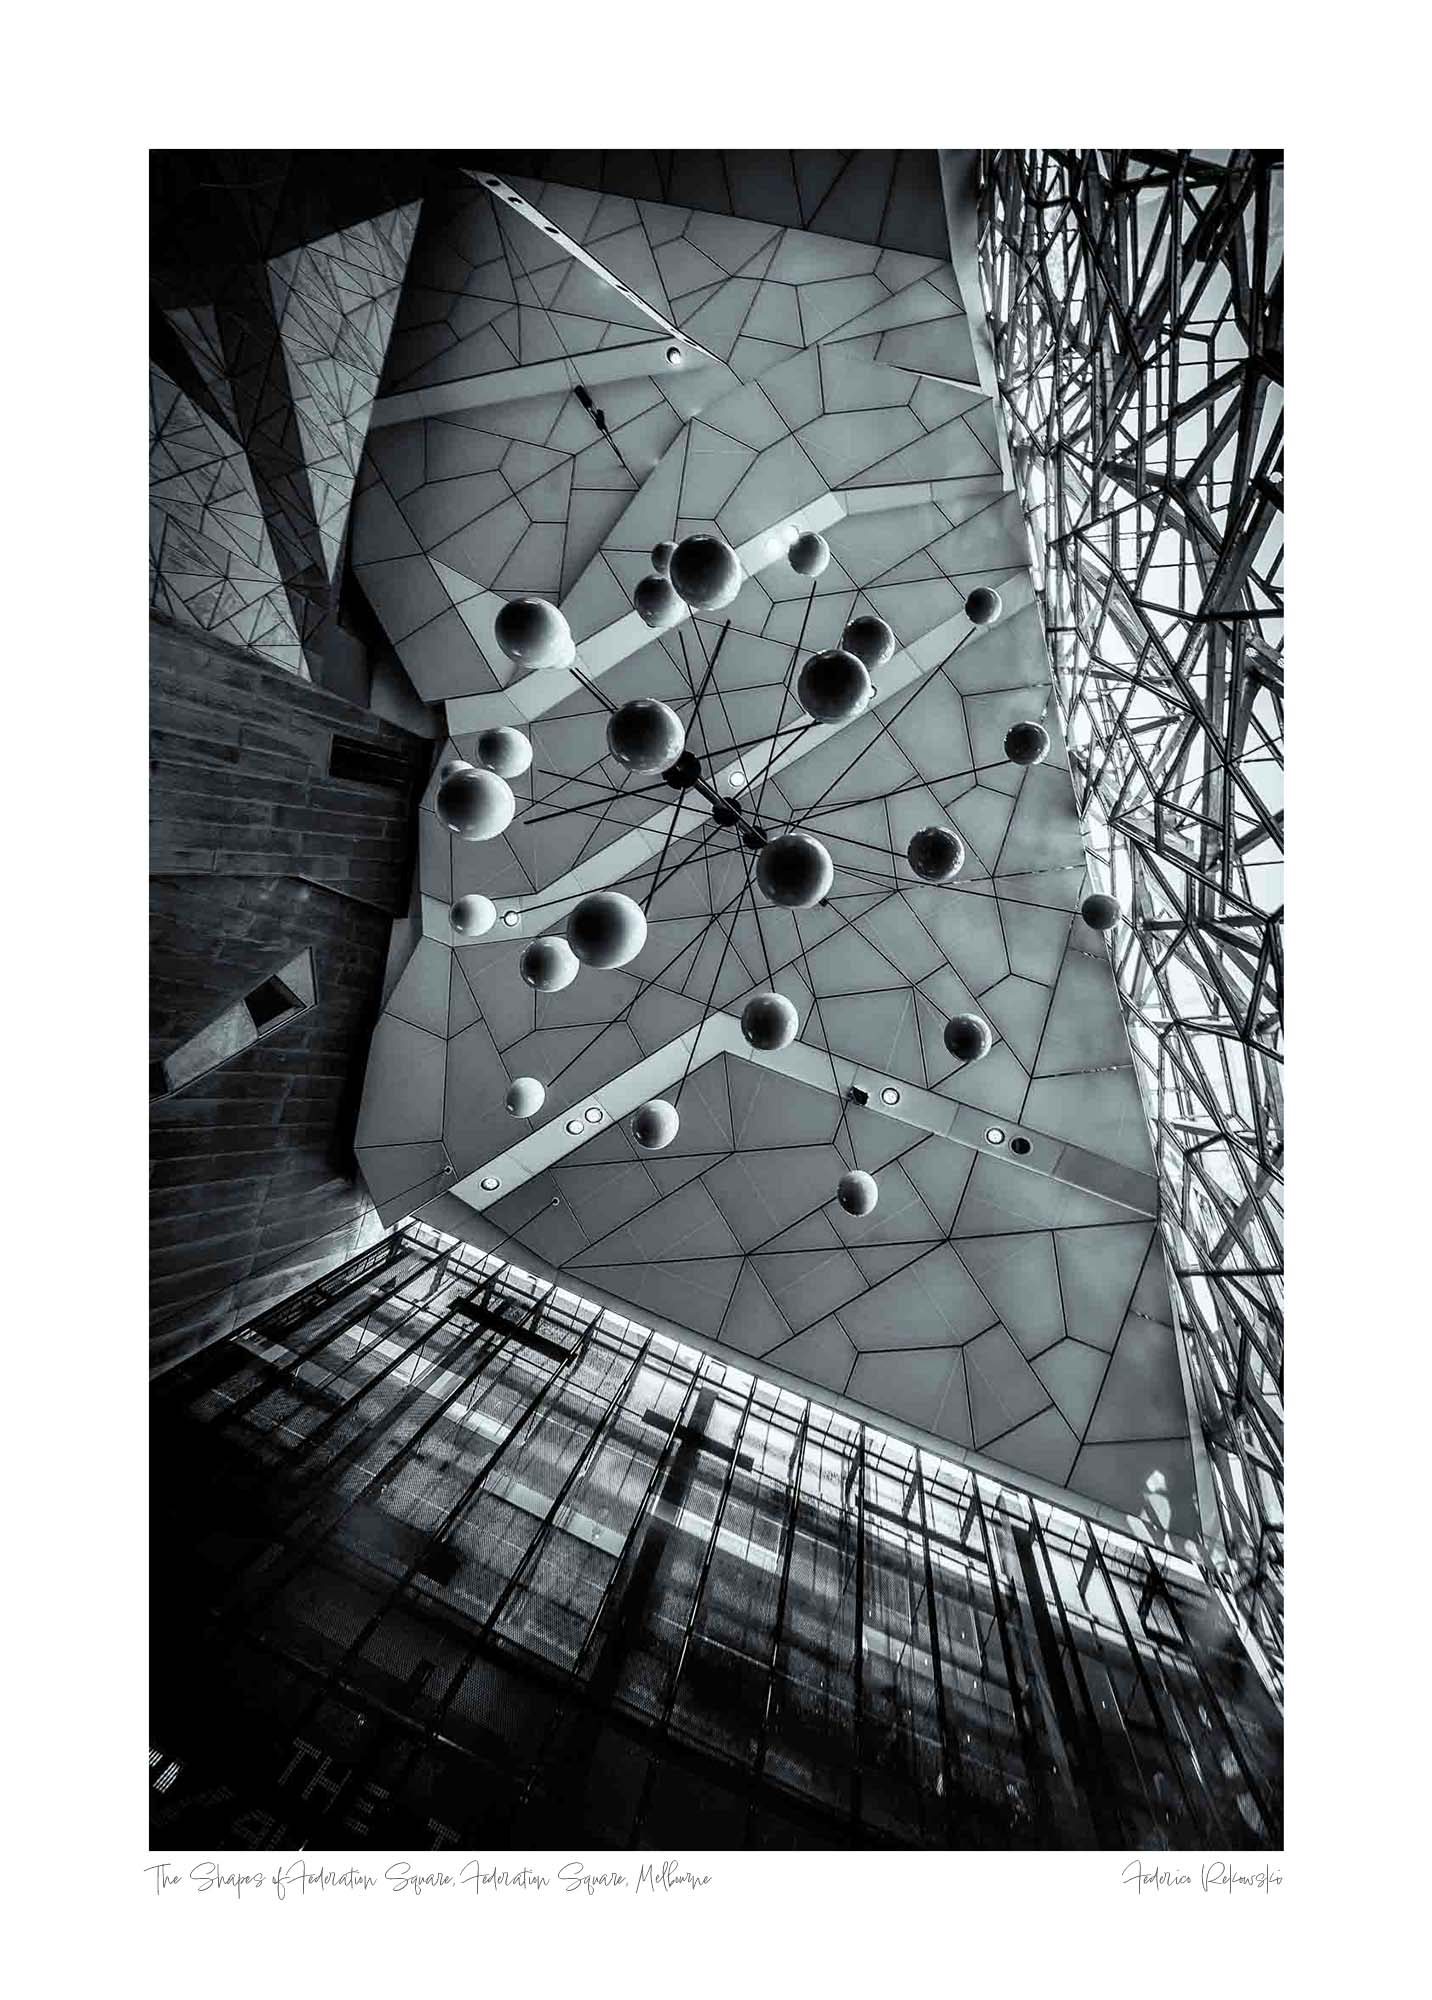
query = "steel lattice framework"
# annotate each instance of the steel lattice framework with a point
(1135, 301)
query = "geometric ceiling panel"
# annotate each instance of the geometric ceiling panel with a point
(993, 1297)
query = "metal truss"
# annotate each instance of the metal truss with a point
(1136, 305)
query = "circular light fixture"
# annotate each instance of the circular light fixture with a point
(548, 964)
(657, 603)
(646, 735)
(769, 1021)
(736, 781)
(870, 639)
(525, 1096)
(1019, 1144)
(655, 1124)
(995, 1135)
(936, 853)
(1027, 743)
(490, 1182)
(889, 1095)
(511, 917)
(1100, 913)
(857, 1193)
(968, 1037)
(675, 356)
(574, 1126)
(983, 605)
(594, 1114)
(505, 751)
(809, 554)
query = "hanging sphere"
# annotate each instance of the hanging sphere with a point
(548, 964)
(645, 735)
(769, 1021)
(809, 554)
(661, 557)
(476, 805)
(655, 1124)
(706, 571)
(451, 765)
(833, 687)
(473, 916)
(606, 929)
(505, 751)
(857, 1193)
(968, 1037)
(1027, 743)
(657, 603)
(870, 639)
(983, 605)
(525, 1096)
(936, 853)
(1100, 913)
(534, 633)
(794, 870)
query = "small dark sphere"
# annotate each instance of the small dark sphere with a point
(754, 837)
(1027, 743)
(725, 814)
(967, 1037)
(833, 686)
(769, 1021)
(795, 871)
(857, 1193)
(1100, 913)
(684, 773)
(475, 805)
(706, 571)
(645, 735)
(870, 639)
(657, 604)
(533, 633)
(606, 929)
(661, 557)
(655, 1124)
(936, 853)
(548, 964)
(983, 605)
(809, 554)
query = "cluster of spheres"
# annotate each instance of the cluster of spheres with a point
(794, 870)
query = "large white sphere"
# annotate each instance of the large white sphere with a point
(706, 571)
(657, 603)
(983, 605)
(769, 1021)
(645, 735)
(1027, 743)
(794, 870)
(936, 853)
(833, 686)
(525, 1096)
(661, 557)
(606, 929)
(655, 1124)
(809, 554)
(475, 805)
(857, 1192)
(968, 1037)
(473, 916)
(534, 633)
(870, 639)
(505, 751)
(548, 964)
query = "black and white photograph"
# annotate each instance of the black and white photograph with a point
(718, 1195)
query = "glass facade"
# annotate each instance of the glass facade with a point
(1136, 305)
(445, 1556)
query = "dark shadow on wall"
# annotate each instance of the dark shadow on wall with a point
(263, 844)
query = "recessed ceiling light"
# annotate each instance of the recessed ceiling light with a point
(1019, 1144)
(995, 1135)
(490, 1182)
(675, 356)
(510, 917)
(593, 1114)
(889, 1095)
(736, 780)
(574, 1125)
